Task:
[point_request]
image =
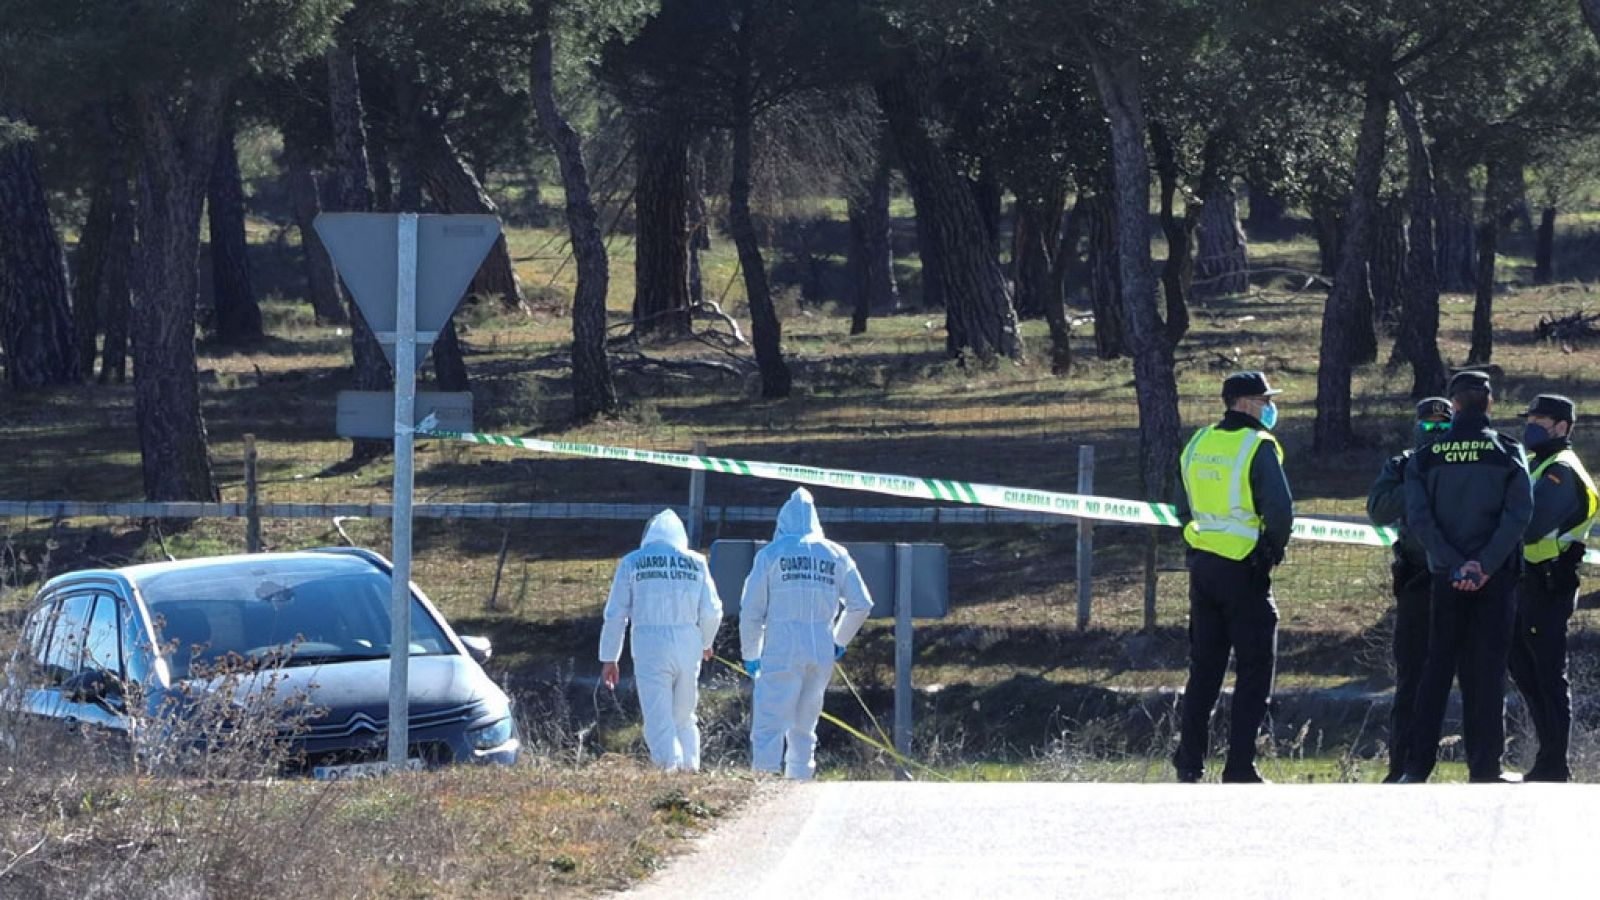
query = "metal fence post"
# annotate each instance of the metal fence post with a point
(697, 499)
(1085, 537)
(902, 655)
(252, 506)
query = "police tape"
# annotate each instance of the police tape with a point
(1082, 506)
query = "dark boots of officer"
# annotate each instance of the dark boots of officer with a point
(1386, 506)
(1564, 508)
(1469, 500)
(1237, 514)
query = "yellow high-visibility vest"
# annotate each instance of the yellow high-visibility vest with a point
(1550, 546)
(1216, 476)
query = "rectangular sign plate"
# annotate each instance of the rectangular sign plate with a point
(370, 414)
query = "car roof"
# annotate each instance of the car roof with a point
(143, 571)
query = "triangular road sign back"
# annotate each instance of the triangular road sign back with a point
(450, 248)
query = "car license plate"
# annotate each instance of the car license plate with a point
(356, 771)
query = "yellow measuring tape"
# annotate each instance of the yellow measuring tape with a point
(885, 745)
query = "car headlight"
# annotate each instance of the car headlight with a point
(492, 735)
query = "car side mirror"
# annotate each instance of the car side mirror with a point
(478, 647)
(93, 686)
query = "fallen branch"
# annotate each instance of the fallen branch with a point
(338, 525)
(1311, 278)
(1569, 329)
(681, 365)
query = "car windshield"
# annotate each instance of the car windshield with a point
(290, 611)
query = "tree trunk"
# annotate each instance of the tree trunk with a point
(978, 310)
(990, 197)
(1455, 234)
(322, 283)
(449, 365)
(1105, 279)
(454, 189)
(176, 150)
(352, 192)
(116, 273)
(88, 268)
(871, 258)
(1327, 226)
(593, 392)
(1033, 240)
(661, 216)
(1269, 215)
(765, 330)
(1345, 319)
(37, 334)
(931, 277)
(1055, 308)
(699, 222)
(237, 316)
(1419, 316)
(383, 197)
(1177, 273)
(1222, 265)
(1155, 384)
(1386, 264)
(1544, 253)
(1498, 196)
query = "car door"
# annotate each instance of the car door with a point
(55, 644)
(101, 665)
(79, 636)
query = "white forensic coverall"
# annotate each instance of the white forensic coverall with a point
(790, 620)
(665, 590)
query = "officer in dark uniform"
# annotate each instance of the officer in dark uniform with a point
(1237, 514)
(1386, 505)
(1469, 500)
(1564, 507)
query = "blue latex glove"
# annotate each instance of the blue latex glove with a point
(838, 652)
(752, 667)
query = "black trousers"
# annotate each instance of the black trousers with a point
(1470, 633)
(1412, 590)
(1547, 595)
(1230, 608)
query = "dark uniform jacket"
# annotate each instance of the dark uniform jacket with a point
(1268, 486)
(1468, 497)
(1386, 505)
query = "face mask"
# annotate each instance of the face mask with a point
(1534, 435)
(1269, 415)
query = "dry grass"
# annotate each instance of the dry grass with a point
(885, 401)
(486, 832)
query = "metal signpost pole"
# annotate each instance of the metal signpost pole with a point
(902, 655)
(1085, 538)
(405, 396)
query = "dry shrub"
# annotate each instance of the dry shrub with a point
(206, 812)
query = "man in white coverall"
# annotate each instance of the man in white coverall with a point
(665, 589)
(789, 634)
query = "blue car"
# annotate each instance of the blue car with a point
(96, 641)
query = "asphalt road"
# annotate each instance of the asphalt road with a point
(884, 839)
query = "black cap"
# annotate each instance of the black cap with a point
(1470, 381)
(1553, 406)
(1434, 407)
(1246, 384)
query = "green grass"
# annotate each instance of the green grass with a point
(887, 400)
